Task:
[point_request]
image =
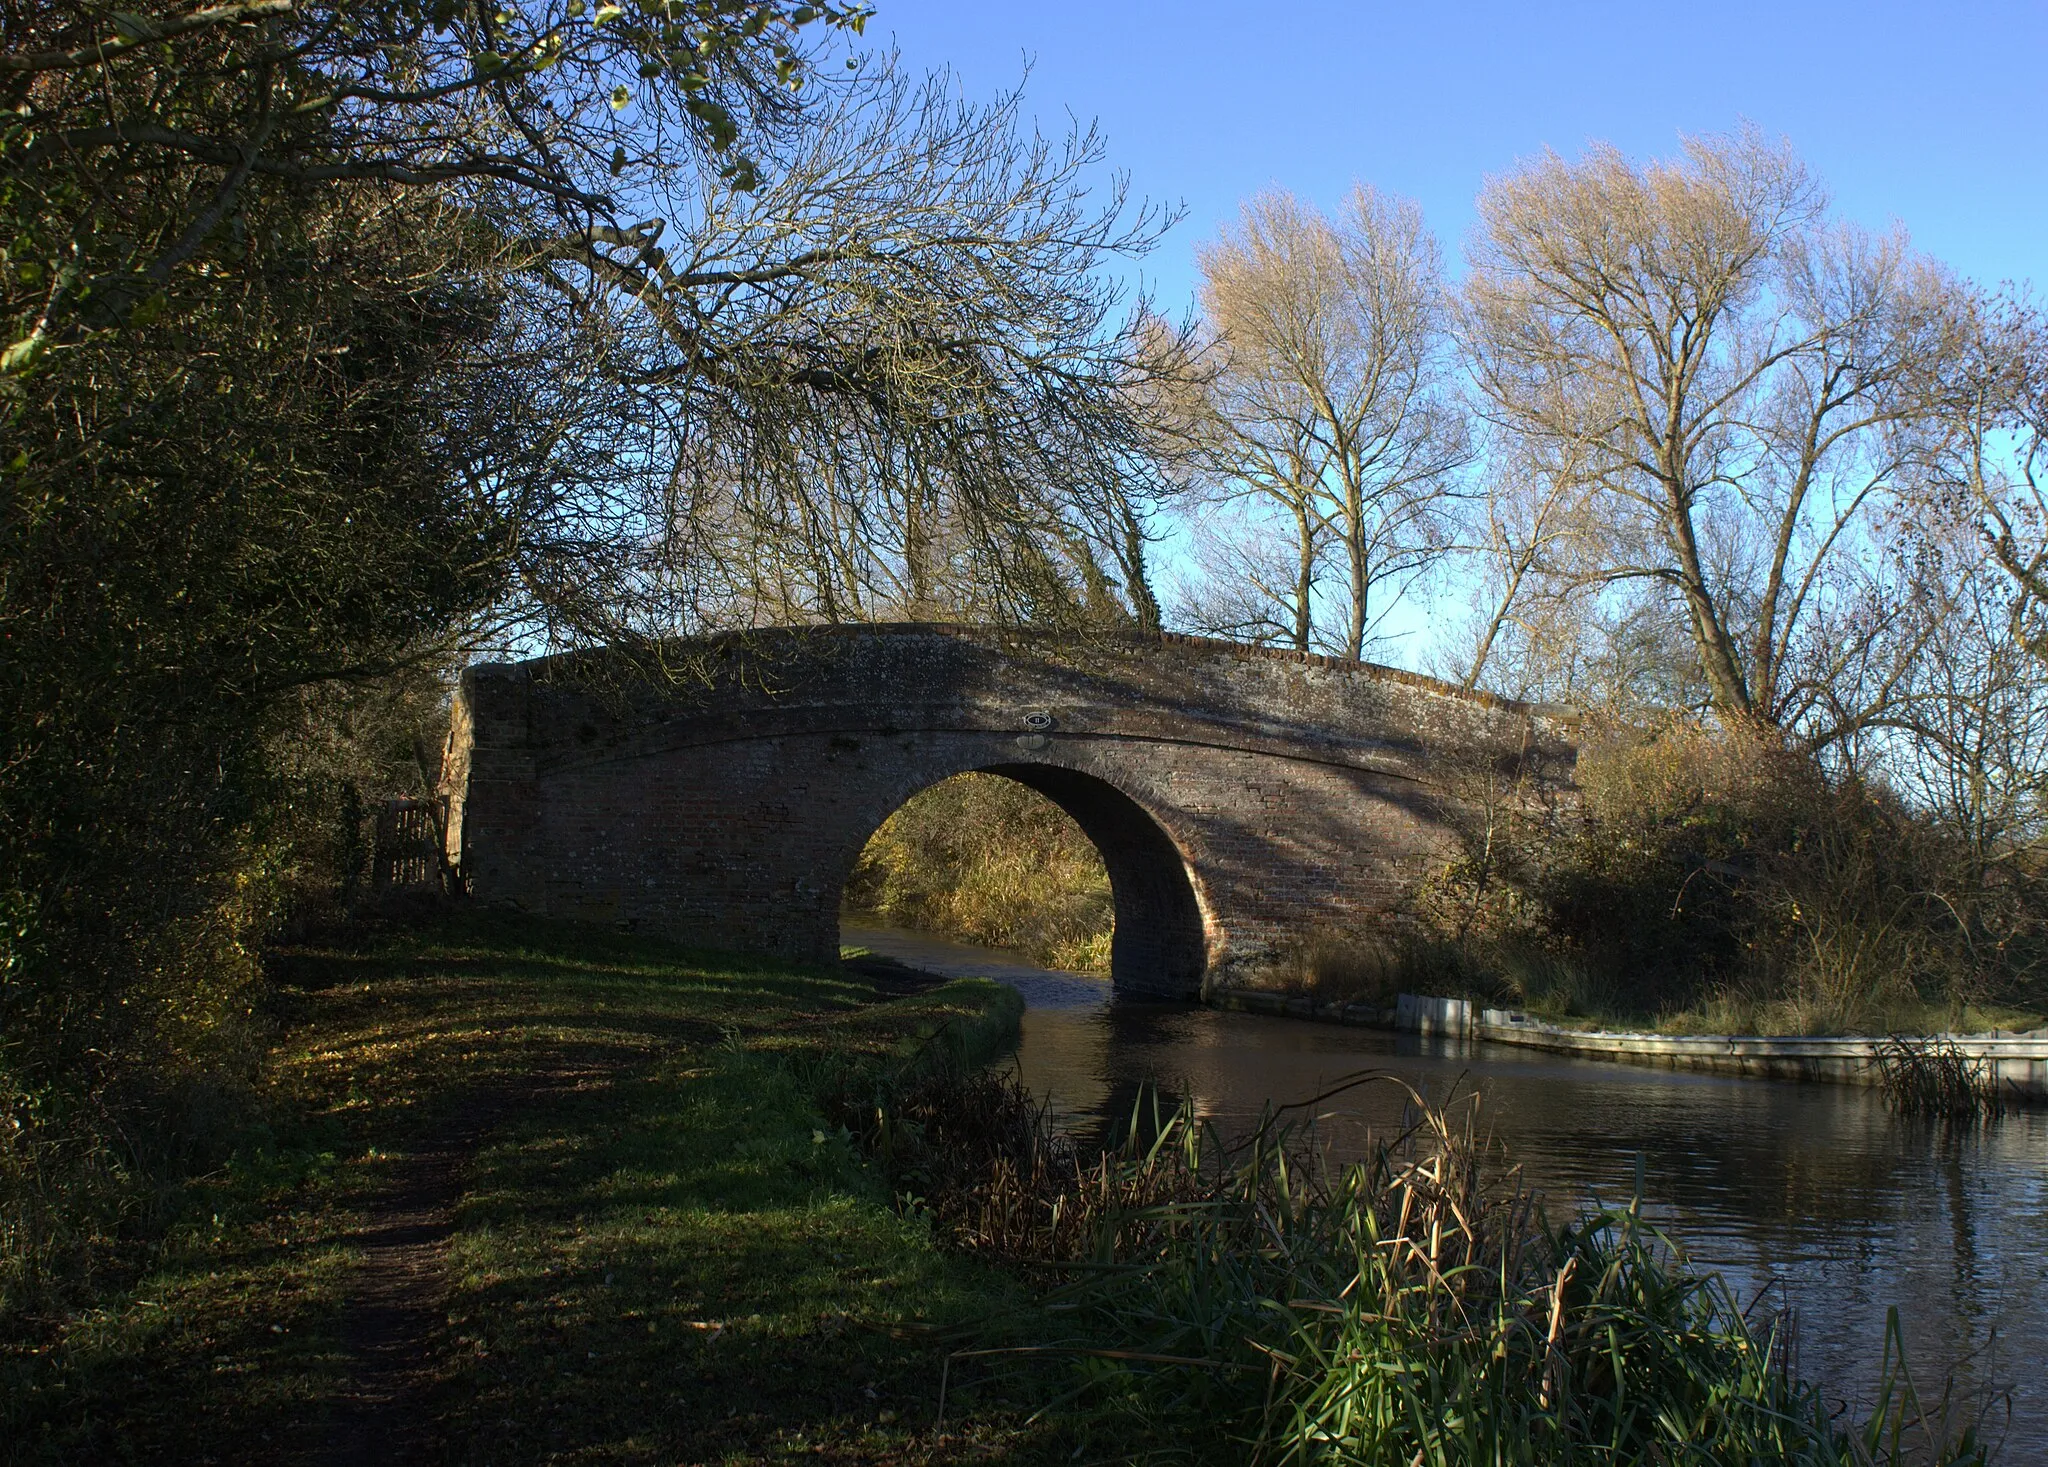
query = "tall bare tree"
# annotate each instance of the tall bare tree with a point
(1330, 407)
(1261, 541)
(1991, 471)
(1532, 530)
(1970, 741)
(1743, 379)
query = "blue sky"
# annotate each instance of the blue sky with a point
(1930, 114)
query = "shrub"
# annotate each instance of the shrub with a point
(1716, 878)
(130, 1035)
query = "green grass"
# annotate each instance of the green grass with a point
(662, 1251)
(662, 1256)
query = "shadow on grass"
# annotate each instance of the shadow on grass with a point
(665, 1258)
(707, 1279)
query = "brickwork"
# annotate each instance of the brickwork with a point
(1239, 798)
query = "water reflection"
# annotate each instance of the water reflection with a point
(1812, 1192)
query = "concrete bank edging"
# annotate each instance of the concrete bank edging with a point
(2016, 1063)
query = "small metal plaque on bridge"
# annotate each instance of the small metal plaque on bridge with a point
(1039, 722)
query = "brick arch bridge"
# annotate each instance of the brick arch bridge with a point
(1241, 798)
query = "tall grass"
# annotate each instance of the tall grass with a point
(1417, 1307)
(1933, 1077)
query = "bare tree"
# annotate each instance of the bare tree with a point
(1991, 471)
(1532, 533)
(890, 380)
(1743, 379)
(1975, 714)
(1251, 579)
(1330, 408)
(1261, 539)
(1971, 738)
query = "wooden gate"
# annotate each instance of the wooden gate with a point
(409, 845)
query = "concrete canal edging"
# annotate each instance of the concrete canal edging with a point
(2017, 1064)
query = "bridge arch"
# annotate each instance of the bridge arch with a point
(1241, 798)
(1159, 944)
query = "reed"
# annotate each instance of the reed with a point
(1930, 1076)
(1247, 1301)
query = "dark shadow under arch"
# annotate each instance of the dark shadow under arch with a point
(1159, 947)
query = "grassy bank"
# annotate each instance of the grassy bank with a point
(547, 1194)
(657, 1253)
(1563, 989)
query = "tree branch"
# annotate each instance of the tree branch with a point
(147, 33)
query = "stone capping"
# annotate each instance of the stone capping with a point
(1126, 637)
(1513, 1026)
(2017, 1063)
(1377, 670)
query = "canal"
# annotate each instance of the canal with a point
(1810, 1196)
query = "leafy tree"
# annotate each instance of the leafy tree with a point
(341, 337)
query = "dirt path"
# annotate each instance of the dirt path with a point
(398, 1293)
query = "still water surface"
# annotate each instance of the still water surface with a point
(1813, 1193)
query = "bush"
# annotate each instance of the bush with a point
(129, 1042)
(1717, 879)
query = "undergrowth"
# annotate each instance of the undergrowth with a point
(1694, 880)
(1247, 1301)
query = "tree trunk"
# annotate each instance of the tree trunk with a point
(1304, 575)
(1500, 615)
(1361, 585)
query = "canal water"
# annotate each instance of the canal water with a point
(1813, 1196)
